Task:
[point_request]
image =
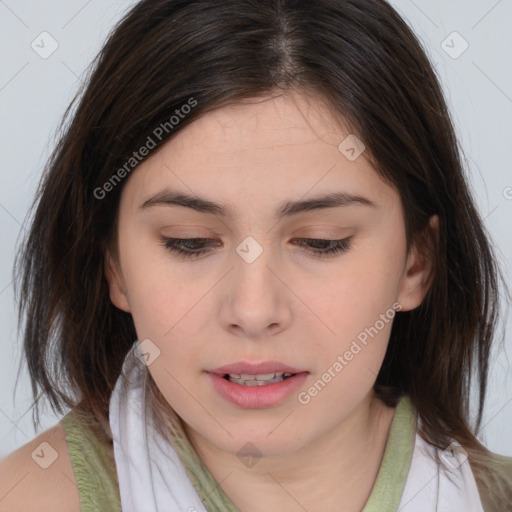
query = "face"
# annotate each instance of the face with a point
(260, 283)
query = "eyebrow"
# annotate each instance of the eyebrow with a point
(285, 209)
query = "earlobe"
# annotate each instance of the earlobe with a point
(116, 286)
(417, 277)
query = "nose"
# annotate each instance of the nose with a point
(256, 302)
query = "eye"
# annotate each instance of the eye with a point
(194, 247)
(190, 248)
(327, 247)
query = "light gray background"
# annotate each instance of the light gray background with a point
(34, 93)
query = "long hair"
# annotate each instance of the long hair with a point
(365, 63)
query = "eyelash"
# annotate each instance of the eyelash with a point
(337, 246)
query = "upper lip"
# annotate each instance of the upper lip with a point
(255, 368)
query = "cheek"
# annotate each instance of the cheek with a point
(356, 293)
(166, 311)
(356, 308)
(159, 296)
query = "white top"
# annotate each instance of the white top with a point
(428, 487)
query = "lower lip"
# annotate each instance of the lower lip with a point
(257, 397)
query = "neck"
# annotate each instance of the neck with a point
(341, 467)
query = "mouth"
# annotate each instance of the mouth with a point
(264, 379)
(252, 386)
(256, 374)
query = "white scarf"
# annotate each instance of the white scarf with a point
(152, 478)
(428, 488)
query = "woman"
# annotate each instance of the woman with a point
(256, 259)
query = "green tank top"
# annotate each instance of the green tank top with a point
(91, 452)
(92, 457)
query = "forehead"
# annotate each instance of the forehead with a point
(257, 153)
(262, 123)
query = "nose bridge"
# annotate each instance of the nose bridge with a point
(252, 266)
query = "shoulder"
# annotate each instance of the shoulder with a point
(39, 476)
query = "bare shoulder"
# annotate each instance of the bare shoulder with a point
(39, 476)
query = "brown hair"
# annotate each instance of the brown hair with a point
(359, 57)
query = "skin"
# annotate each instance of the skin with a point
(289, 305)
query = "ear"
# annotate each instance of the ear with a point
(115, 281)
(417, 276)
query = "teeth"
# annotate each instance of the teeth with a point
(257, 380)
(266, 376)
